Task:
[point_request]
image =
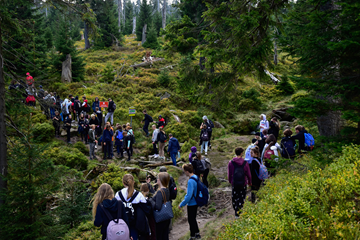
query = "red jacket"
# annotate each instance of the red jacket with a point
(29, 80)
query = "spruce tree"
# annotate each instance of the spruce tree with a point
(143, 18)
(157, 22)
(129, 15)
(151, 39)
(65, 45)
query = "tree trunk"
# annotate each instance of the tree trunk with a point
(134, 25)
(66, 74)
(119, 14)
(124, 16)
(143, 40)
(330, 125)
(86, 36)
(275, 53)
(164, 15)
(3, 141)
(158, 6)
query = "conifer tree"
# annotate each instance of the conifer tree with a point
(143, 18)
(151, 39)
(129, 14)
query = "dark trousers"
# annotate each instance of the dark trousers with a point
(145, 128)
(173, 157)
(111, 149)
(192, 211)
(68, 133)
(86, 133)
(155, 148)
(129, 152)
(162, 230)
(210, 133)
(57, 128)
(238, 198)
(254, 190)
(119, 148)
(107, 149)
(204, 177)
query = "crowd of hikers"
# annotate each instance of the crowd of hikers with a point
(146, 213)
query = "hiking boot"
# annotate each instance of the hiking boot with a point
(192, 238)
(197, 236)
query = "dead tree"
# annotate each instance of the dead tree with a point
(164, 15)
(66, 74)
(119, 14)
(143, 40)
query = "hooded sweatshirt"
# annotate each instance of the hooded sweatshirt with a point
(174, 145)
(112, 207)
(96, 104)
(155, 135)
(231, 168)
(264, 123)
(192, 153)
(66, 105)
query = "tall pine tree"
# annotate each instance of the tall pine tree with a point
(143, 18)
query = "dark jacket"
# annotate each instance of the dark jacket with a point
(147, 120)
(301, 137)
(255, 168)
(99, 117)
(283, 140)
(157, 200)
(231, 169)
(111, 107)
(41, 93)
(273, 129)
(107, 135)
(57, 122)
(68, 123)
(127, 143)
(142, 210)
(158, 137)
(112, 207)
(94, 121)
(95, 105)
(174, 145)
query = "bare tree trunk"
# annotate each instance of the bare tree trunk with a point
(164, 15)
(158, 5)
(144, 34)
(86, 36)
(3, 142)
(124, 16)
(275, 53)
(66, 74)
(119, 14)
(134, 25)
(330, 125)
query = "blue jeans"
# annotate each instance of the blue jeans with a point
(173, 157)
(204, 145)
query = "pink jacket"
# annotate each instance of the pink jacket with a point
(231, 169)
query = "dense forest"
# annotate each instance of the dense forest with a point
(233, 60)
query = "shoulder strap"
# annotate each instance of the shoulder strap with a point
(121, 196)
(134, 196)
(106, 212)
(234, 163)
(119, 213)
(243, 165)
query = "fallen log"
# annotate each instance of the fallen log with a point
(159, 164)
(146, 63)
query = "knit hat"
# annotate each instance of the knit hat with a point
(28, 74)
(40, 86)
(193, 149)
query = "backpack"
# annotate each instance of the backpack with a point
(263, 172)
(239, 174)
(63, 109)
(206, 163)
(119, 135)
(211, 124)
(117, 229)
(114, 106)
(205, 136)
(288, 148)
(309, 140)
(268, 154)
(151, 119)
(202, 193)
(172, 189)
(198, 166)
(163, 137)
(129, 209)
(77, 105)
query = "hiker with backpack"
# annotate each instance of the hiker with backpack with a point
(303, 137)
(111, 110)
(65, 108)
(135, 206)
(264, 124)
(271, 148)
(77, 107)
(288, 145)
(255, 172)
(274, 127)
(147, 120)
(192, 153)
(119, 140)
(201, 168)
(190, 201)
(161, 122)
(172, 185)
(109, 213)
(85, 106)
(154, 140)
(173, 148)
(209, 126)
(239, 176)
(92, 141)
(161, 206)
(127, 144)
(204, 138)
(107, 139)
(162, 140)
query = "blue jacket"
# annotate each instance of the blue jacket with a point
(174, 145)
(95, 105)
(112, 207)
(107, 135)
(190, 193)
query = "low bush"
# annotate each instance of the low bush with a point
(43, 132)
(81, 147)
(67, 156)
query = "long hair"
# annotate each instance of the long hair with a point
(256, 151)
(128, 181)
(271, 140)
(164, 178)
(198, 155)
(104, 192)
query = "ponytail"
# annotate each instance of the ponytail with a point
(128, 181)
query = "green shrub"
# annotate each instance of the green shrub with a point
(298, 95)
(319, 204)
(213, 181)
(85, 231)
(81, 147)
(38, 117)
(285, 86)
(43, 132)
(108, 74)
(250, 100)
(67, 156)
(164, 78)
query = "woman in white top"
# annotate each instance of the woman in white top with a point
(270, 143)
(131, 199)
(264, 124)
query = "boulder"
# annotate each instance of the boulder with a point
(218, 125)
(283, 115)
(165, 96)
(177, 118)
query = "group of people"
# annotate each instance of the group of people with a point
(145, 213)
(251, 169)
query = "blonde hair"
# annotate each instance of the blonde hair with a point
(164, 178)
(128, 181)
(104, 192)
(127, 124)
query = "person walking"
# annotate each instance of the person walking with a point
(68, 127)
(264, 125)
(119, 137)
(105, 204)
(161, 138)
(239, 177)
(161, 122)
(92, 141)
(190, 201)
(255, 171)
(29, 79)
(111, 110)
(209, 126)
(96, 104)
(204, 137)
(300, 136)
(56, 123)
(173, 148)
(85, 106)
(127, 144)
(147, 120)
(106, 138)
(161, 196)
(81, 126)
(274, 127)
(155, 141)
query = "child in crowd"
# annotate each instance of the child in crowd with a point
(119, 140)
